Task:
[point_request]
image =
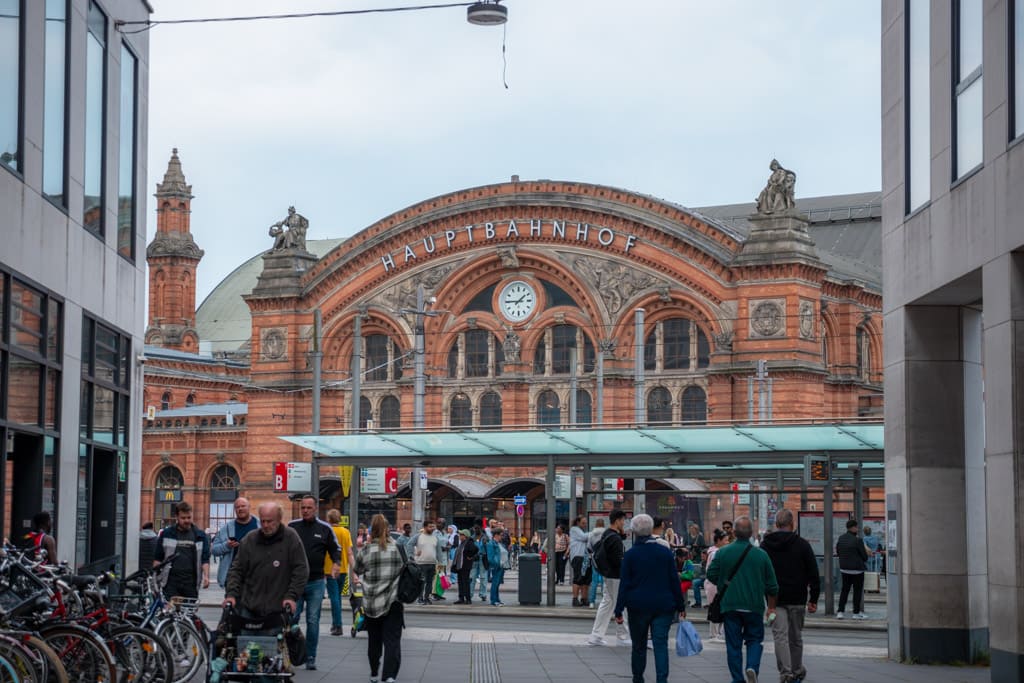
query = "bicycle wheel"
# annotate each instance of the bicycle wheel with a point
(85, 657)
(141, 655)
(8, 673)
(28, 666)
(55, 672)
(186, 647)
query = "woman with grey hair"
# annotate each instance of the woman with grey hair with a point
(650, 590)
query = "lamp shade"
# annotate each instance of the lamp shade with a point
(486, 14)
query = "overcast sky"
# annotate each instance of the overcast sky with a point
(353, 118)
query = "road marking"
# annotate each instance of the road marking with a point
(477, 638)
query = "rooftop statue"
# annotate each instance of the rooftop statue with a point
(290, 233)
(777, 195)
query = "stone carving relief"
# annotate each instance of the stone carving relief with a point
(273, 343)
(767, 318)
(723, 340)
(403, 294)
(509, 258)
(616, 283)
(511, 346)
(806, 319)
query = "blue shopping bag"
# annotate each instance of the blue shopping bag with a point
(687, 640)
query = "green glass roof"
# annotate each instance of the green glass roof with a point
(641, 446)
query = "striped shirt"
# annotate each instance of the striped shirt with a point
(379, 570)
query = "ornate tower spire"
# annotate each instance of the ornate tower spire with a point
(173, 257)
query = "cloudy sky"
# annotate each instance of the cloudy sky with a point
(353, 118)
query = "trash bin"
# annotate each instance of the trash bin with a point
(529, 579)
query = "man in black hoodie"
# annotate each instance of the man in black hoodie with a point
(799, 585)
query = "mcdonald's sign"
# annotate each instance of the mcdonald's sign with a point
(168, 495)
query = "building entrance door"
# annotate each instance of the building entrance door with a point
(23, 482)
(103, 507)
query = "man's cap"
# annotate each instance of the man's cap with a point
(464, 532)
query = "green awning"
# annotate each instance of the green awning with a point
(717, 445)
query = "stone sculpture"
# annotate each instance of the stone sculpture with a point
(777, 195)
(290, 233)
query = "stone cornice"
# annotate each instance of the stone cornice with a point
(174, 244)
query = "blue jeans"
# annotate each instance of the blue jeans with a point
(597, 580)
(334, 595)
(497, 575)
(479, 573)
(658, 624)
(312, 598)
(697, 585)
(743, 628)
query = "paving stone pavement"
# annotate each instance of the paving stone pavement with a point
(431, 655)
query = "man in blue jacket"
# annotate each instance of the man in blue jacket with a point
(649, 588)
(230, 535)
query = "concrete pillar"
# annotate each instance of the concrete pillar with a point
(924, 382)
(1003, 283)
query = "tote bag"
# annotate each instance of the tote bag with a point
(688, 641)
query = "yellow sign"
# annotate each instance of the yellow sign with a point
(344, 520)
(345, 472)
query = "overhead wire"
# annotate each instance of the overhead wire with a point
(149, 24)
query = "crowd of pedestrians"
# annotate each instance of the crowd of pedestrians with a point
(287, 569)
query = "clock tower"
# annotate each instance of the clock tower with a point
(173, 257)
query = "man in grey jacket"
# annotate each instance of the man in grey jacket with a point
(269, 571)
(229, 536)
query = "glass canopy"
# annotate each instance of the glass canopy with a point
(640, 446)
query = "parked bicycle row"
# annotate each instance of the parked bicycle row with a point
(56, 626)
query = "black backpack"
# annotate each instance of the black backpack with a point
(600, 558)
(410, 580)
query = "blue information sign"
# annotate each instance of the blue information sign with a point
(519, 500)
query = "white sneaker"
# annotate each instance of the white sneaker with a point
(596, 641)
(859, 615)
(625, 642)
(840, 615)
(751, 676)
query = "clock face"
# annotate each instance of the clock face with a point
(517, 301)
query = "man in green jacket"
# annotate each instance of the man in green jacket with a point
(743, 599)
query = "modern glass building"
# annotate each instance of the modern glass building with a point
(73, 114)
(953, 257)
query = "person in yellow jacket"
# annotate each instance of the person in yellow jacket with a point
(334, 586)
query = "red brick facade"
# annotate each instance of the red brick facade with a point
(593, 255)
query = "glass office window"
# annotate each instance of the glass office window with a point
(10, 83)
(126, 167)
(95, 130)
(917, 105)
(1018, 67)
(968, 86)
(54, 108)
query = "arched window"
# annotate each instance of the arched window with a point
(695, 405)
(224, 484)
(676, 344)
(365, 412)
(863, 353)
(480, 352)
(561, 338)
(490, 409)
(390, 413)
(169, 484)
(190, 400)
(583, 407)
(549, 412)
(460, 412)
(165, 401)
(383, 362)
(659, 406)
